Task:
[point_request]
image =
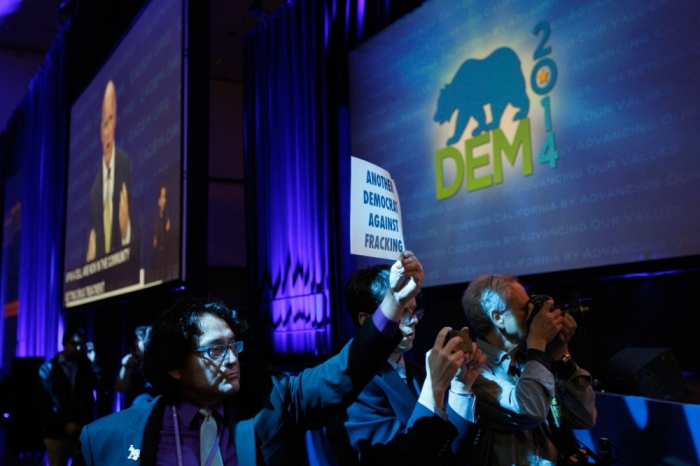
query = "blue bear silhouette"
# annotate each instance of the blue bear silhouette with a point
(497, 79)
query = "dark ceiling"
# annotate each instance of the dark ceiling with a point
(231, 20)
(33, 26)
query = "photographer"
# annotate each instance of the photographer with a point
(131, 379)
(525, 368)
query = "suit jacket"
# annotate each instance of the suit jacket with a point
(121, 176)
(59, 404)
(267, 418)
(387, 413)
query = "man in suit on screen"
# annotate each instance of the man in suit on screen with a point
(110, 223)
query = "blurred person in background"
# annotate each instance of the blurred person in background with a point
(66, 397)
(131, 379)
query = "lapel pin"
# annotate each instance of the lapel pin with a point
(133, 453)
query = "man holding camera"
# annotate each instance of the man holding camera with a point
(528, 370)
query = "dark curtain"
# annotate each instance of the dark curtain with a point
(42, 138)
(286, 126)
(297, 164)
(36, 142)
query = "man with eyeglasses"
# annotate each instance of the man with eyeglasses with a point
(403, 408)
(207, 416)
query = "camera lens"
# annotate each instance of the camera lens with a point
(576, 308)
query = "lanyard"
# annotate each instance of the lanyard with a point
(178, 443)
(559, 430)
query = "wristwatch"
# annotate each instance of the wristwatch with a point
(565, 367)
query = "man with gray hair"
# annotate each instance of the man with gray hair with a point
(528, 370)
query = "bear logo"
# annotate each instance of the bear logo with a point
(497, 79)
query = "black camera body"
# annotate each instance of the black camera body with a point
(576, 308)
(466, 344)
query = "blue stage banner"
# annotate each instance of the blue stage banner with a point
(532, 137)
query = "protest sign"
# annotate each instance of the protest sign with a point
(375, 212)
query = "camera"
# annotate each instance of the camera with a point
(576, 308)
(466, 344)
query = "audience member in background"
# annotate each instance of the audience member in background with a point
(131, 379)
(207, 415)
(400, 394)
(525, 366)
(162, 264)
(66, 399)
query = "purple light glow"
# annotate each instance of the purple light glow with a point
(300, 324)
(328, 18)
(59, 336)
(648, 274)
(360, 17)
(654, 274)
(6, 415)
(8, 7)
(348, 20)
(292, 172)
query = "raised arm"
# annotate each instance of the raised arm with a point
(405, 280)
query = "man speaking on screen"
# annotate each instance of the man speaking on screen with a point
(110, 224)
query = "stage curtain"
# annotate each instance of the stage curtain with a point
(297, 164)
(34, 146)
(41, 145)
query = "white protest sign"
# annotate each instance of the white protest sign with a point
(375, 212)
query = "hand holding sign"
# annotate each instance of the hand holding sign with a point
(406, 276)
(375, 212)
(405, 281)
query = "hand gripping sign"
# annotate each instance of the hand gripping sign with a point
(375, 212)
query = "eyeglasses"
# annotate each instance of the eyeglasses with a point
(220, 351)
(408, 316)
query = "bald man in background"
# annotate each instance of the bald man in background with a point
(110, 223)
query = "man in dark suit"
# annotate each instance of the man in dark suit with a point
(402, 399)
(400, 395)
(192, 358)
(110, 223)
(66, 401)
